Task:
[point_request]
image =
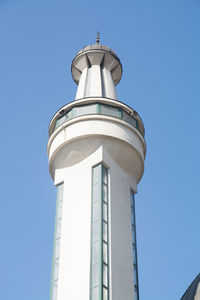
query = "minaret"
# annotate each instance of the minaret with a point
(96, 152)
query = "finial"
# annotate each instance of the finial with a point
(97, 39)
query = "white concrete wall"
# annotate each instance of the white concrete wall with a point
(109, 86)
(121, 256)
(81, 86)
(74, 269)
(96, 82)
(118, 135)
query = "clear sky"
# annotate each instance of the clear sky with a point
(158, 42)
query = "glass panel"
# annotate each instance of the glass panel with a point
(105, 233)
(105, 212)
(133, 122)
(64, 118)
(105, 294)
(58, 228)
(59, 210)
(105, 175)
(95, 252)
(85, 110)
(95, 231)
(135, 293)
(54, 291)
(105, 275)
(55, 270)
(60, 192)
(135, 277)
(69, 115)
(60, 120)
(105, 253)
(96, 174)
(54, 281)
(96, 192)
(132, 217)
(129, 119)
(99, 258)
(133, 237)
(96, 211)
(95, 274)
(95, 293)
(104, 193)
(132, 200)
(57, 124)
(109, 110)
(57, 249)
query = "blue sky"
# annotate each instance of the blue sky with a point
(158, 44)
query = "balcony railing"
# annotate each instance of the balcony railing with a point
(97, 108)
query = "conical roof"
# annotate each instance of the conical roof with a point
(96, 47)
(193, 291)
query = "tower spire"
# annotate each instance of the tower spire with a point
(97, 70)
(97, 38)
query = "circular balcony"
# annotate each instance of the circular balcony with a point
(78, 129)
(109, 107)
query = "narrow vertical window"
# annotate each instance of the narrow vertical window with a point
(56, 250)
(99, 277)
(134, 247)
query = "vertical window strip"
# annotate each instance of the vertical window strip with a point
(120, 113)
(134, 247)
(98, 108)
(56, 250)
(99, 276)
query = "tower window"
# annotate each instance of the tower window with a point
(134, 247)
(56, 251)
(99, 271)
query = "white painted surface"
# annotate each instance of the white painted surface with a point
(109, 87)
(73, 149)
(96, 82)
(81, 87)
(122, 281)
(74, 270)
(94, 58)
(118, 137)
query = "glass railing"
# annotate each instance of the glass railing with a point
(97, 108)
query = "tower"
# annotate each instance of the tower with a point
(96, 152)
(193, 291)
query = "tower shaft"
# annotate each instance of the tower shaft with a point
(96, 153)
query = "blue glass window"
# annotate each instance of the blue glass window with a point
(99, 277)
(134, 247)
(56, 251)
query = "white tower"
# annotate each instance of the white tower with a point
(96, 153)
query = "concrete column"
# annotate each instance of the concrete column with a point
(81, 86)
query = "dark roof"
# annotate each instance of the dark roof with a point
(96, 47)
(192, 289)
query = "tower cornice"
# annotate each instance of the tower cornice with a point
(96, 54)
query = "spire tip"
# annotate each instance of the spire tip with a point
(97, 39)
